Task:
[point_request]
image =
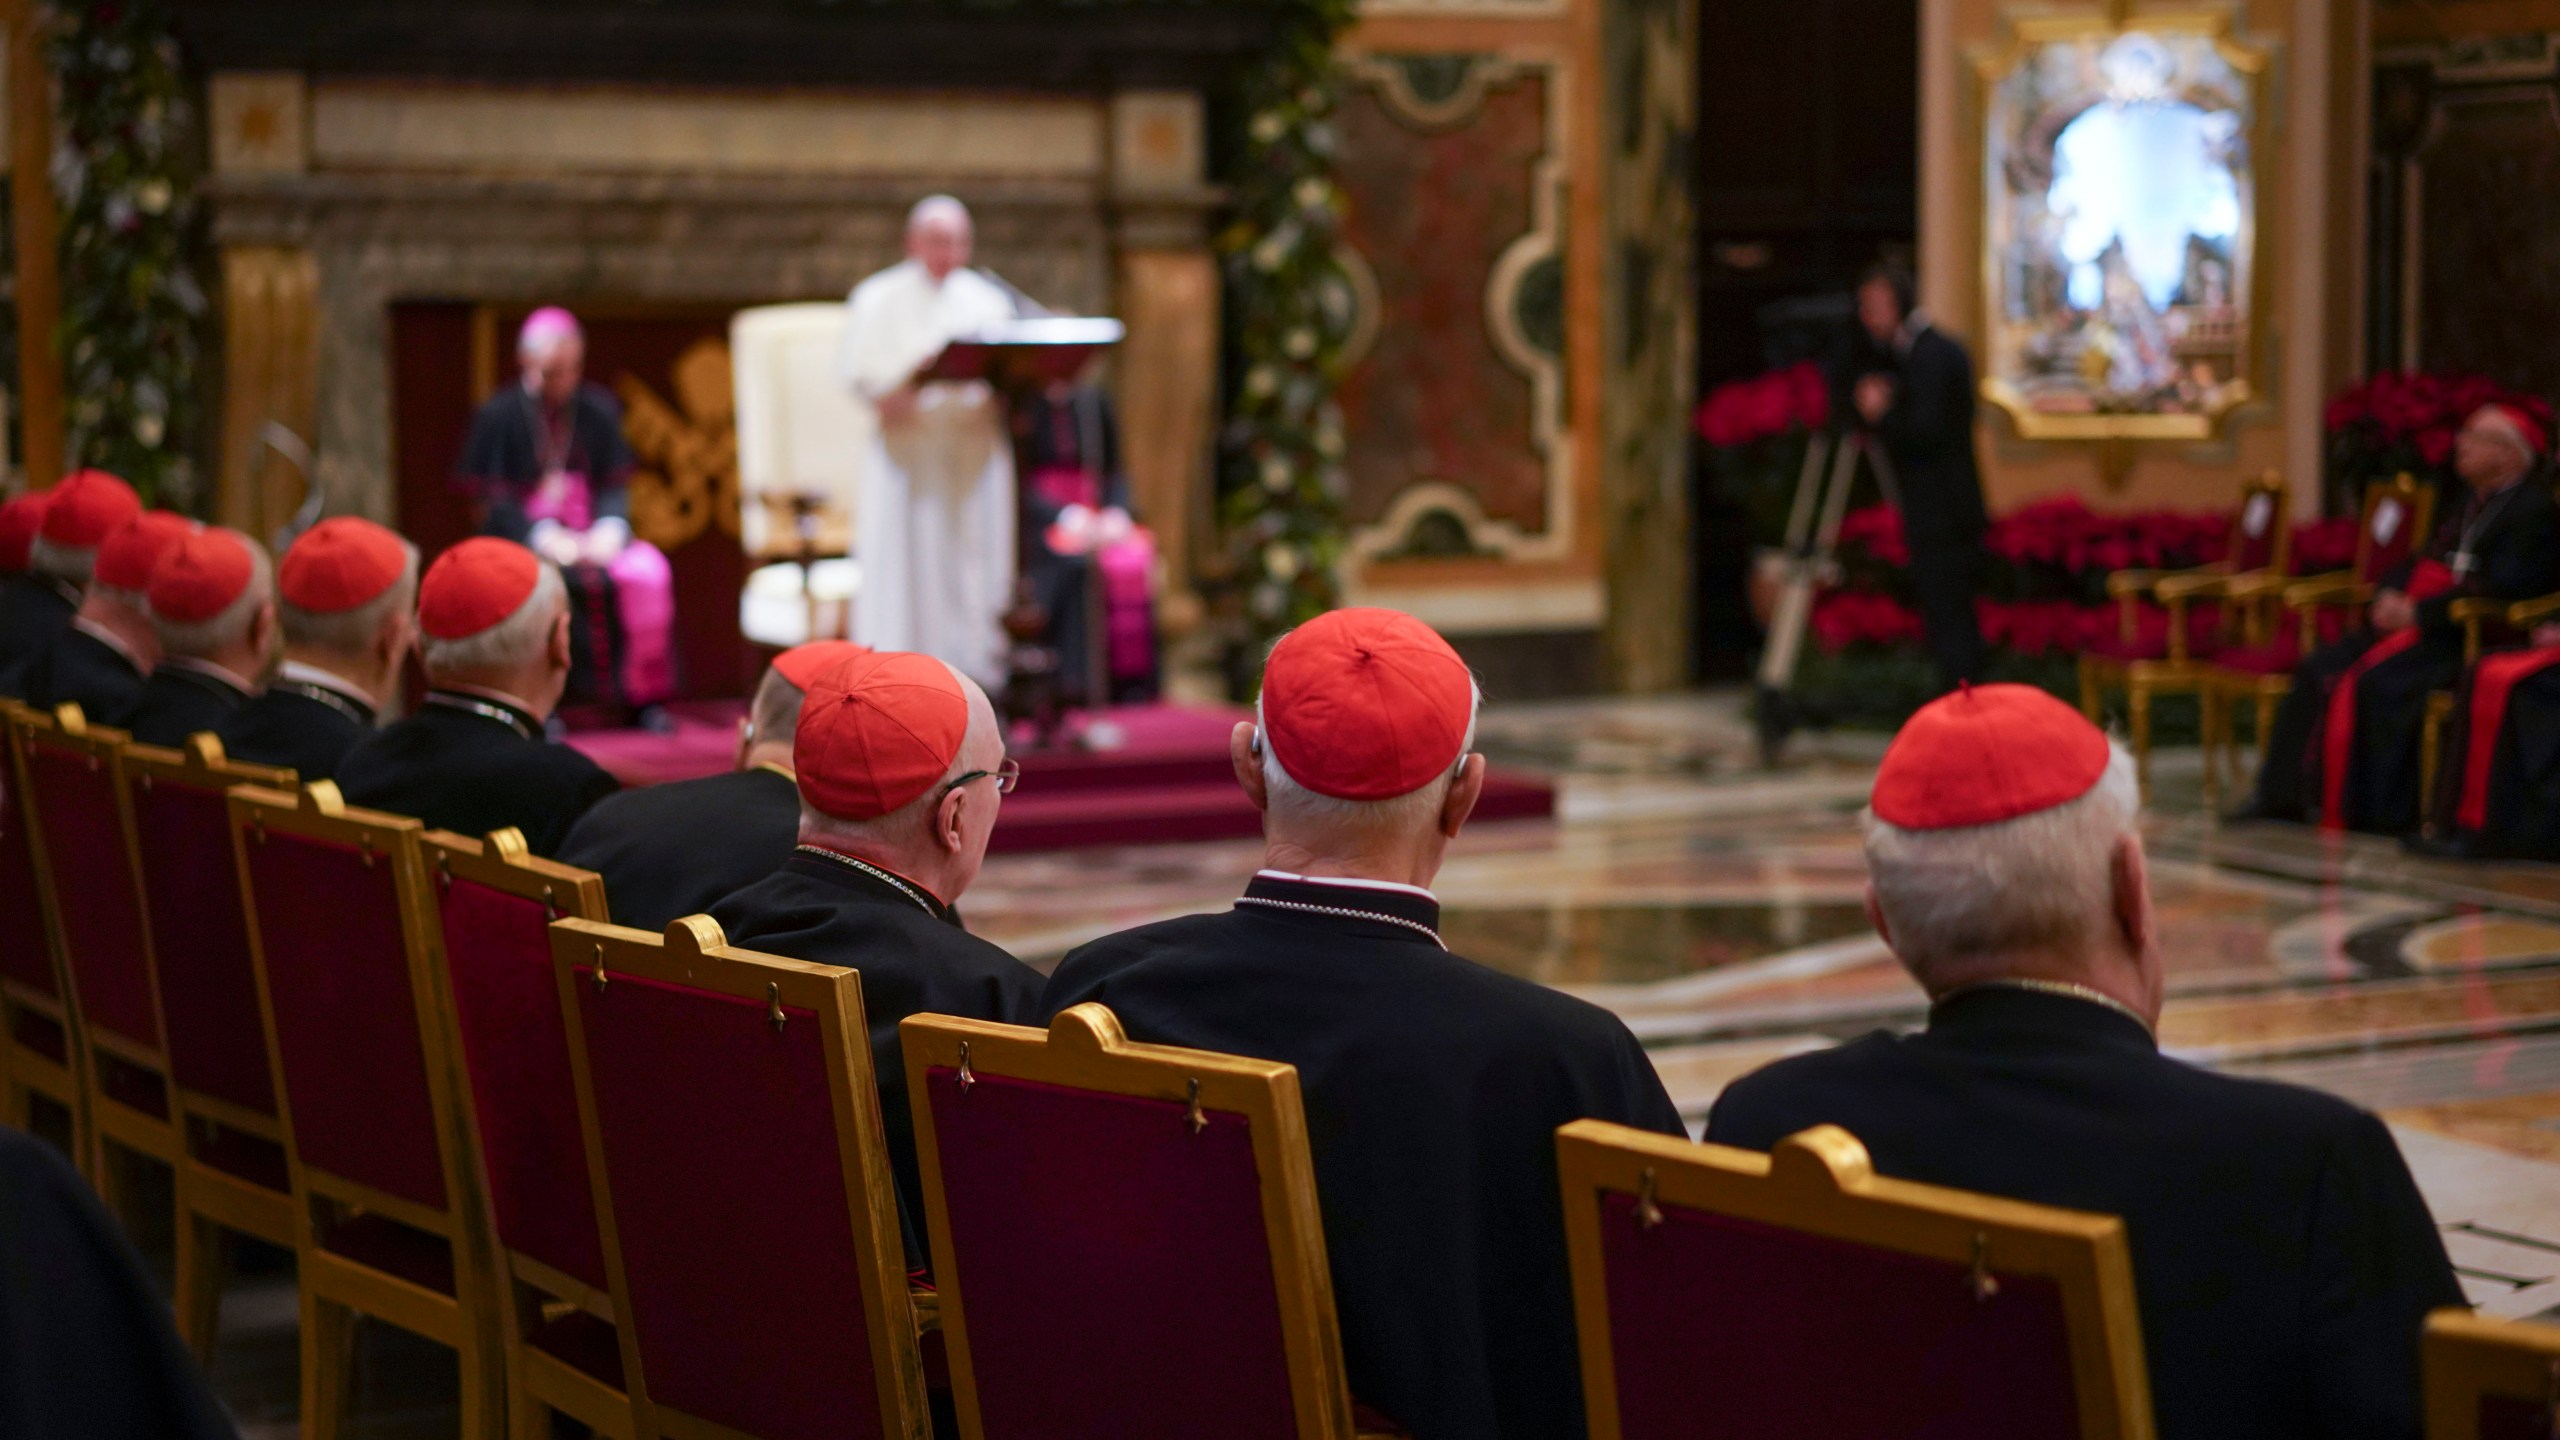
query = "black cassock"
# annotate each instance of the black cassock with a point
(1928, 434)
(79, 668)
(1433, 1089)
(2513, 539)
(180, 699)
(672, 850)
(2498, 785)
(512, 440)
(87, 1348)
(914, 958)
(471, 765)
(305, 727)
(33, 610)
(2283, 1259)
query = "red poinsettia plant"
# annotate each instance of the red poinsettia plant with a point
(1765, 407)
(2406, 420)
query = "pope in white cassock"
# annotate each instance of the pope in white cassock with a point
(936, 508)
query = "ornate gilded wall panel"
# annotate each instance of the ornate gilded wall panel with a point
(1454, 396)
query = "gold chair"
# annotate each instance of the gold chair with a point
(2144, 665)
(741, 1187)
(490, 950)
(39, 1045)
(1721, 1282)
(2490, 1379)
(1054, 1164)
(2288, 618)
(86, 868)
(232, 1174)
(2474, 615)
(338, 912)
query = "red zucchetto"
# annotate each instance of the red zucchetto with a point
(340, 564)
(1366, 704)
(202, 576)
(132, 555)
(877, 731)
(2526, 428)
(803, 664)
(475, 585)
(88, 506)
(1985, 754)
(20, 518)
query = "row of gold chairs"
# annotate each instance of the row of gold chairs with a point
(640, 1180)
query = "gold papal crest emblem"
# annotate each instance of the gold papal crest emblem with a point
(688, 451)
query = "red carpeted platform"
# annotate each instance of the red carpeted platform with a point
(1166, 780)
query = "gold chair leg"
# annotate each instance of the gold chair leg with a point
(2266, 724)
(484, 1387)
(2090, 700)
(2137, 705)
(2209, 742)
(328, 1353)
(198, 1302)
(2430, 743)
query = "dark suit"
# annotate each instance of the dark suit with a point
(914, 958)
(471, 765)
(33, 610)
(2282, 1258)
(1928, 434)
(80, 669)
(672, 850)
(305, 727)
(2514, 542)
(178, 700)
(1433, 1090)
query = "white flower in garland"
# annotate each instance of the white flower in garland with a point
(1300, 343)
(1269, 126)
(1276, 475)
(1282, 562)
(148, 428)
(1262, 382)
(1313, 193)
(152, 197)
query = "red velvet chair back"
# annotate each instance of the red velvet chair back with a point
(1130, 1225)
(26, 944)
(2491, 1379)
(75, 781)
(2397, 513)
(733, 1134)
(494, 908)
(2261, 531)
(335, 911)
(200, 934)
(1712, 1282)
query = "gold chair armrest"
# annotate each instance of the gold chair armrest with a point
(2474, 609)
(2256, 585)
(2201, 585)
(2525, 614)
(2326, 590)
(2121, 583)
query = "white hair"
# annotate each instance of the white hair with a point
(936, 207)
(1292, 801)
(905, 828)
(68, 563)
(351, 632)
(134, 600)
(2041, 881)
(203, 639)
(513, 641)
(775, 713)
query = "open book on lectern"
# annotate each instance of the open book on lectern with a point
(1035, 350)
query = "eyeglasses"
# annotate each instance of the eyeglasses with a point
(1006, 776)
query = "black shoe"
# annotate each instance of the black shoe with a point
(2255, 809)
(656, 720)
(2458, 845)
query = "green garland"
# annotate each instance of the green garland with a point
(1290, 310)
(125, 170)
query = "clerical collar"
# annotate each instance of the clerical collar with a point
(1908, 334)
(206, 670)
(507, 713)
(325, 688)
(1402, 909)
(111, 640)
(2081, 997)
(785, 771)
(878, 877)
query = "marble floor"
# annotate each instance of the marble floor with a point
(1717, 908)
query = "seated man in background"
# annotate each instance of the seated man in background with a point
(494, 627)
(2345, 740)
(102, 661)
(2283, 1260)
(667, 851)
(346, 593)
(79, 514)
(21, 516)
(213, 604)
(1433, 1086)
(901, 769)
(2498, 787)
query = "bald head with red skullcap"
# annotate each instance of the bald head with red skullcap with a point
(1359, 753)
(213, 601)
(493, 619)
(900, 763)
(2497, 445)
(2003, 845)
(347, 594)
(80, 513)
